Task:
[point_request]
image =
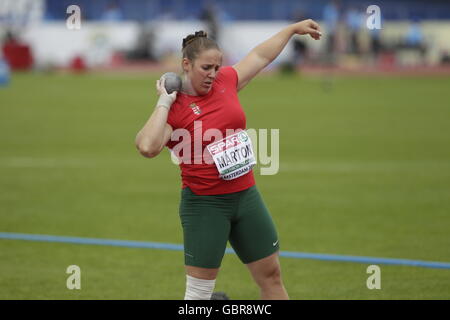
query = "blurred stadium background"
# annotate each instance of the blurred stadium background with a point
(364, 145)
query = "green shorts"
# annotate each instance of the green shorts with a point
(210, 221)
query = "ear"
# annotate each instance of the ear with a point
(186, 64)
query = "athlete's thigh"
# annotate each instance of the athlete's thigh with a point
(253, 235)
(206, 229)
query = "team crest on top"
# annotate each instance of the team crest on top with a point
(195, 108)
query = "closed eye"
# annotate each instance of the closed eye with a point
(210, 66)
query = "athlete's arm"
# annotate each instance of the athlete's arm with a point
(267, 51)
(156, 132)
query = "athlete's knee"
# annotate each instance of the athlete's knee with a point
(272, 276)
(198, 289)
(269, 276)
(202, 273)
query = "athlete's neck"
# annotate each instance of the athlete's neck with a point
(187, 87)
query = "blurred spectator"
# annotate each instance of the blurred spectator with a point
(17, 54)
(4, 73)
(414, 36)
(331, 19)
(78, 65)
(414, 40)
(112, 12)
(299, 44)
(144, 49)
(223, 15)
(210, 17)
(445, 58)
(354, 21)
(375, 44)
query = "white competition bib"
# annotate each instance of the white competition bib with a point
(233, 155)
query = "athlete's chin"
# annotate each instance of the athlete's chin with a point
(204, 90)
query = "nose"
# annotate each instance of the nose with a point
(212, 74)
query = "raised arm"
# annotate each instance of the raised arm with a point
(266, 52)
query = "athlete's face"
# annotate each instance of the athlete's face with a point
(203, 70)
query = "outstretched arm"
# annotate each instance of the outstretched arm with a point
(267, 51)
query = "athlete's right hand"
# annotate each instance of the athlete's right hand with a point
(165, 100)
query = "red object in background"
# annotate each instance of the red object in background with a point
(117, 60)
(18, 55)
(387, 60)
(78, 65)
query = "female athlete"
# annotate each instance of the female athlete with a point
(204, 125)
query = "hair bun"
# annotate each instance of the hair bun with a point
(190, 38)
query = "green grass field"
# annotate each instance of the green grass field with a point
(364, 171)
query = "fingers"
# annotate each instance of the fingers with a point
(314, 29)
(160, 87)
(309, 27)
(159, 84)
(315, 34)
(174, 94)
(314, 25)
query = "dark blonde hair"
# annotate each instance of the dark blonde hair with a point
(193, 44)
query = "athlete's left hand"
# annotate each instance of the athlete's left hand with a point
(308, 27)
